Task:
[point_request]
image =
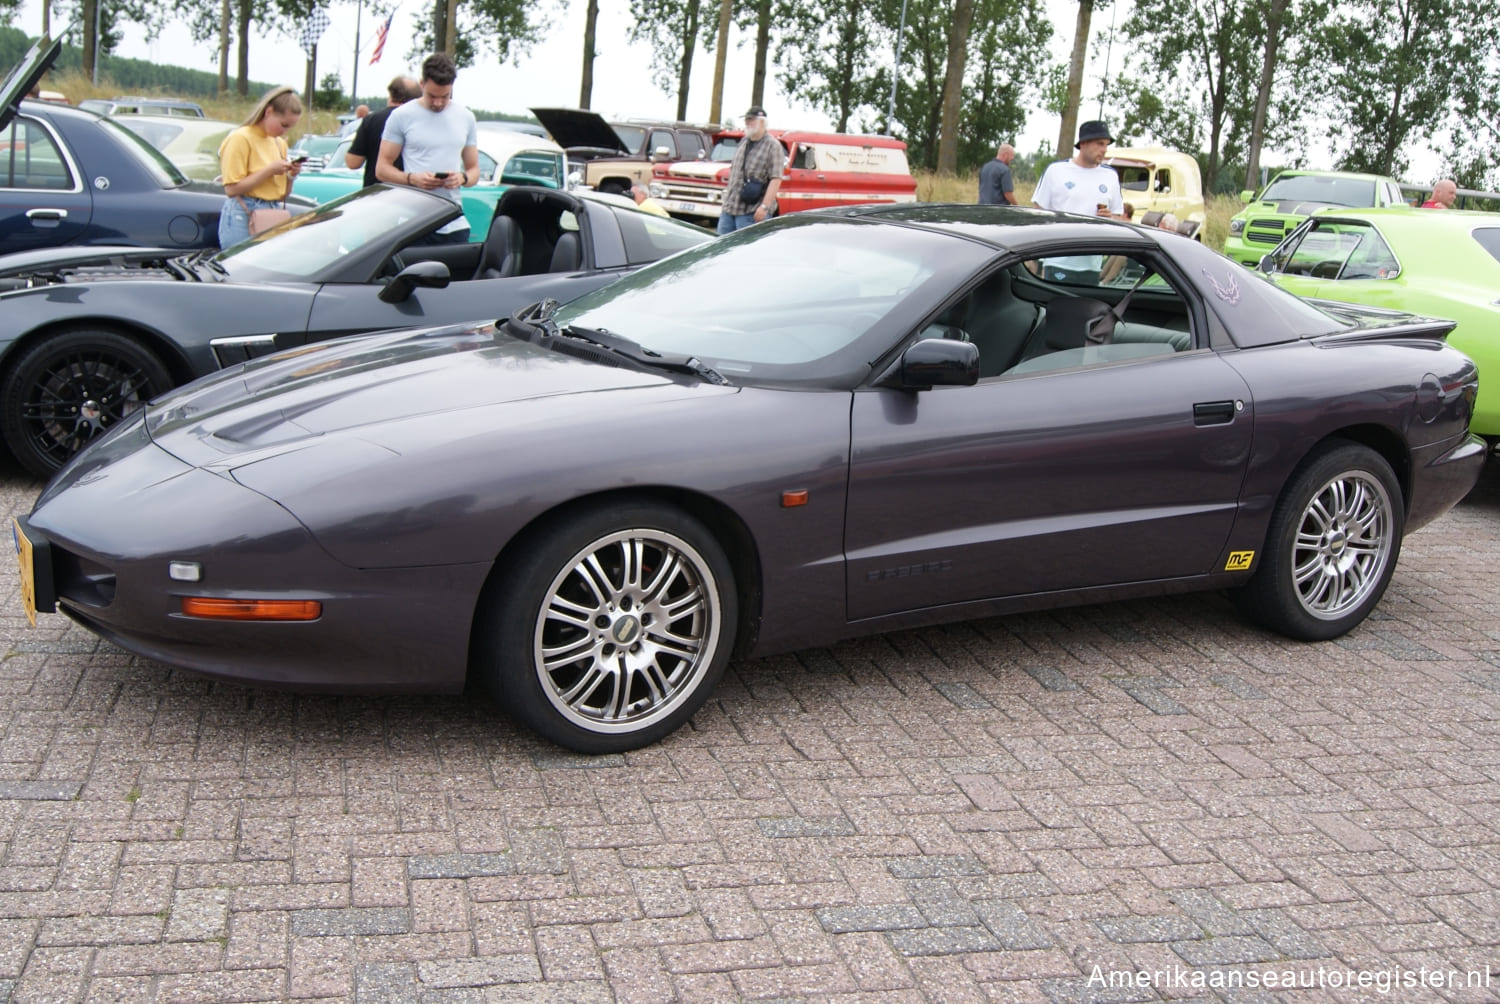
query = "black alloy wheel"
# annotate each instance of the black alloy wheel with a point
(67, 390)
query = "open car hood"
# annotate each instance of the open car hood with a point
(572, 127)
(25, 75)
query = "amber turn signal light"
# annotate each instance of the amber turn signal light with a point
(795, 498)
(217, 608)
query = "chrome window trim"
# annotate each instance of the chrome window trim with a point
(62, 148)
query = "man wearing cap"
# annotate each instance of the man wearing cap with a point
(1083, 185)
(754, 176)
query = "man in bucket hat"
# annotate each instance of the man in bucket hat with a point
(1085, 187)
(1082, 185)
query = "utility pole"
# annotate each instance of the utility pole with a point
(359, 11)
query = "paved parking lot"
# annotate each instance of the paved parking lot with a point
(1128, 802)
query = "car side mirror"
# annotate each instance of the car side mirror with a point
(662, 153)
(422, 274)
(939, 362)
(1247, 195)
(1267, 263)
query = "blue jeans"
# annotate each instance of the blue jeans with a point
(728, 224)
(234, 222)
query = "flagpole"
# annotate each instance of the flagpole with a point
(354, 87)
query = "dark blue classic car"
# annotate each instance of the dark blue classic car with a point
(70, 177)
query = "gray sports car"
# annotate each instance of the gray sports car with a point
(89, 334)
(821, 426)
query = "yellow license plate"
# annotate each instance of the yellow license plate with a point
(28, 573)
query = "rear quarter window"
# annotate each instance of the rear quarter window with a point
(1489, 239)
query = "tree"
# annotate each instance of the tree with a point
(468, 29)
(1402, 71)
(673, 29)
(1197, 81)
(826, 56)
(1006, 64)
(586, 86)
(330, 92)
(1068, 127)
(953, 86)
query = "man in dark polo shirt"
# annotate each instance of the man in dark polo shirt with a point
(754, 176)
(996, 186)
(366, 143)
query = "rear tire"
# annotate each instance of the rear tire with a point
(611, 628)
(68, 390)
(1331, 547)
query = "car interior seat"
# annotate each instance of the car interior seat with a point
(1150, 219)
(501, 255)
(999, 323)
(567, 254)
(1071, 322)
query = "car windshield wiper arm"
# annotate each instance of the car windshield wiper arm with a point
(535, 324)
(638, 353)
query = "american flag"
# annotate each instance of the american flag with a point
(313, 27)
(380, 34)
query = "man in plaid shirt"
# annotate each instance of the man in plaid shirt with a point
(754, 176)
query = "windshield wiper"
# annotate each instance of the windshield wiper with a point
(638, 353)
(535, 324)
(209, 257)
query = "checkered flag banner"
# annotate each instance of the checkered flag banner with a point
(313, 27)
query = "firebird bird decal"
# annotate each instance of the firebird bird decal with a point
(1229, 293)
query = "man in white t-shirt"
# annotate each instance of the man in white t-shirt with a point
(1085, 187)
(437, 142)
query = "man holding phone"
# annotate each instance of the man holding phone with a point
(437, 142)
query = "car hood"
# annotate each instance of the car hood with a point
(572, 127)
(25, 75)
(376, 389)
(708, 169)
(47, 259)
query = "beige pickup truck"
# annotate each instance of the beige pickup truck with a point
(612, 156)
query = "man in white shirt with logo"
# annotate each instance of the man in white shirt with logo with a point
(1085, 187)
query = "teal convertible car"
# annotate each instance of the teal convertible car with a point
(1442, 263)
(505, 158)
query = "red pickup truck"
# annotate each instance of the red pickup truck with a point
(823, 169)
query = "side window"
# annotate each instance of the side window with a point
(487, 166)
(690, 146)
(1134, 179)
(31, 159)
(1338, 250)
(663, 138)
(1081, 321)
(1164, 180)
(805, 159)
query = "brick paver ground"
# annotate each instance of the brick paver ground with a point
(1016, 809)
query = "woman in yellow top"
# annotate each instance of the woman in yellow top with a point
(254, 165)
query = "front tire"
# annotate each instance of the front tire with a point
(68, 389)
(611, 629)
(1331, 548)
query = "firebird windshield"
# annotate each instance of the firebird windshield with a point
(801, 301)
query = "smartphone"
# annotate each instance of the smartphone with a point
(440, 175)
(298, 158)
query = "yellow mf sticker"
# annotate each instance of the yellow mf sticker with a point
(1239, 561)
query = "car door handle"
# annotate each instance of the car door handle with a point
(1215, 412)
(48, 215)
